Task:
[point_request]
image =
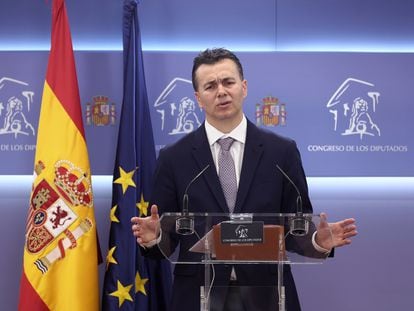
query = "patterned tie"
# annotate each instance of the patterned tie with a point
(227, 172)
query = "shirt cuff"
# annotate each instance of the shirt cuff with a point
(153, 242)
(317, 247)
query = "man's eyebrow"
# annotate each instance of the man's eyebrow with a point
(209, 82)
(212, 81)
(228, 78)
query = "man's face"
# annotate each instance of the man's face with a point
(221, 93)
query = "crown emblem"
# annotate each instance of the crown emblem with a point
(72, 183)
(270, 100)
(100, 99)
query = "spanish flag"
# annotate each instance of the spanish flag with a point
(60, 264)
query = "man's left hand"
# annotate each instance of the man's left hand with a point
(337, 234)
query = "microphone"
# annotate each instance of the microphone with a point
(298, 225)
(185, 224)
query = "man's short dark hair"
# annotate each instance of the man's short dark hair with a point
(212, 56)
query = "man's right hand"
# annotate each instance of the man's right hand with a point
(146, 229)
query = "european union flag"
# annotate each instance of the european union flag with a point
(133, 282)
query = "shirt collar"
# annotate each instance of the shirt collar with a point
(238, 133)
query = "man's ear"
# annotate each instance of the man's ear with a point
(197, 96)
(244, 85)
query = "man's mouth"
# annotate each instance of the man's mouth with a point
(223, 104)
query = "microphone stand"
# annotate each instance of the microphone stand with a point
(298, 225)
(184, 225)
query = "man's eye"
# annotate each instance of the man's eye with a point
(210, 87)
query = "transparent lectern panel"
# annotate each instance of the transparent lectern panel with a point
(243, 238)
(242, 298)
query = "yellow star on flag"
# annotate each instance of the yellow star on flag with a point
(112, 214)
(125, 179)
(122, 293)
(110, 257)
(140, 284)
(142, 206)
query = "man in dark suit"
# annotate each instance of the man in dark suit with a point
(220, 90)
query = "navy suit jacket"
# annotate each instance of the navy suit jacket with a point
(262, 189)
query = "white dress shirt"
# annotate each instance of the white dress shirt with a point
(236, 149)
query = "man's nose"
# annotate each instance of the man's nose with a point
(221, 90)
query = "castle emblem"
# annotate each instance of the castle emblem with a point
(270, 112)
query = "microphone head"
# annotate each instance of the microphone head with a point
(298, 225)
(184, 225)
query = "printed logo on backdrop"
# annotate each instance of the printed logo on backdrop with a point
(177, 113)
(271, 112)
(16, 125)
(353, 107)
(101, 112)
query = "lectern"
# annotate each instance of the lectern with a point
(213, 239)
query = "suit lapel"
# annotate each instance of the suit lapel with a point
(202, 155)
(253, 151)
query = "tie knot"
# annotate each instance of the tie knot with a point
(225, 143)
